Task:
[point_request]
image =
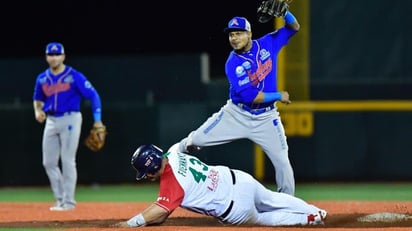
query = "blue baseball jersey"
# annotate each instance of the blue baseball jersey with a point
(64, 92)
(256, 70)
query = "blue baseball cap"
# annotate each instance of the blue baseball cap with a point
(54, 48)
(238, 23)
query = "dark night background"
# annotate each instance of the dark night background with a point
(104, 27)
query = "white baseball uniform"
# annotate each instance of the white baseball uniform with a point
(230, 195)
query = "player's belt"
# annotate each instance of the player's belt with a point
(256, 111)
(233, 176)
(60, 114)
(224, 215)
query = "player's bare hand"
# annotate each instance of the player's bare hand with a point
(285, 97)
(122, 224)
(40, 116)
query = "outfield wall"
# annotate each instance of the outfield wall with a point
(343, 146)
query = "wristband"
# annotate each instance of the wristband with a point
(271, 96)
(97, 116)
(136, 221)
(289, 18)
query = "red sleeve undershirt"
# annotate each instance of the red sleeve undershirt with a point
(170, 192)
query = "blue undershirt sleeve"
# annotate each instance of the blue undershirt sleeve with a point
(97, 116)
(96, 107)
(289, 18)
(271, 96)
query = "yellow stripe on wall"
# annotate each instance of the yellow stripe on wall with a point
(259, 163)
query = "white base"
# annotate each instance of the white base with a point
(385, 217)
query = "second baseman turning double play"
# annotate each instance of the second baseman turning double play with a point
(251, 111)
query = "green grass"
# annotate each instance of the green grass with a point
(116, 193)
(147, 192)
(356, 191)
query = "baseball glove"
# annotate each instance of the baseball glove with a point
(96, 138)
(268, 9)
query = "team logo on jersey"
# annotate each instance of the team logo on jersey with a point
(247, 65)
(214, 180)
(87, 84)
(260, 74)
(244, 81)
(240, 71)
(54, 88)
(43, 80)
(68, 79)
(163, 199)
(264, 54)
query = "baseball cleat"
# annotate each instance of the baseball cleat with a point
(58, 203)
(64, 207)
(317, 218)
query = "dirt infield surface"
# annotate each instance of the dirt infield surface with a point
(342, 216)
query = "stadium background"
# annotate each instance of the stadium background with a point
(146, 59)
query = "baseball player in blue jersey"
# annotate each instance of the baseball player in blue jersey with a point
(251, 111)
(58, 92)
(230, 195)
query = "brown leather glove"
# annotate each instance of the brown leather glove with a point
(269, 9)
(96, 138)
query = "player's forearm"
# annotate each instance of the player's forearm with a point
(38, 105)
(39, 114)
(155, 214)
(150, 216)
(266, 97)
(139, 220)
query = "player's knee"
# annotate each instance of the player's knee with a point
(49, 164)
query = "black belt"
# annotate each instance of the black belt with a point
(224, 215)
(233, 176)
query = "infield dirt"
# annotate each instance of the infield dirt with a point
(90, 216)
